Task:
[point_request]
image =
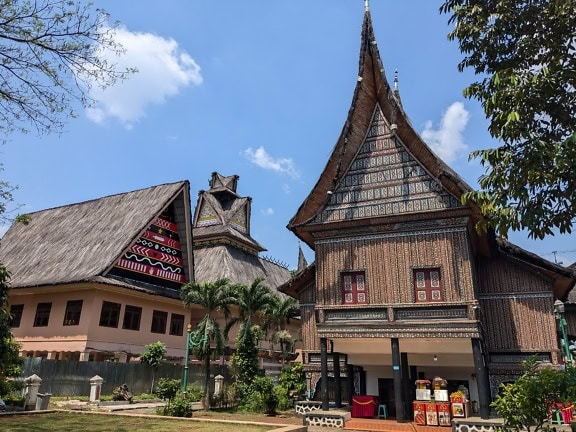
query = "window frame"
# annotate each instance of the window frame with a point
(155, 316)
(132, 318)
(178, 331)
(73, 312)
(112, 310)
(354, 293)
(16, 312)
(42, 317)
(428, 288)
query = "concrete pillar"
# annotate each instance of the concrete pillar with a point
(52, 355)
(95, 388)
(218, 384)
(122, 357)
(84, 355)
(32, 384)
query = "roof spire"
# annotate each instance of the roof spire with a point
(366, 5)
(396, 80)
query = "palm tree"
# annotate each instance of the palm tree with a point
(250, 300)
(215, 298)
(277, 313)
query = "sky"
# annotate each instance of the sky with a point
(257, 89)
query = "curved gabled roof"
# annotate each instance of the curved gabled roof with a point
(372, 92)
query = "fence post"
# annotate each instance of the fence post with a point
(95, 388)
(32, 387)
(218, 384)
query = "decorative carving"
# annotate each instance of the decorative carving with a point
(444, 312)
(356, 315)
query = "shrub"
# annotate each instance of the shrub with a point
(292, 383)
(181, 406)
(260, 397)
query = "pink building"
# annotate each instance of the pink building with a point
(101, 279)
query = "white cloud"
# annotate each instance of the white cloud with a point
(268, 212)
(286, 189)
(261, 158)
(447, 141)
(163, 70)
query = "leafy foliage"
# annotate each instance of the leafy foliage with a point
(292, 383)
(153, 356)
(9, 360)
(250, 301)
(260, 397)
(181, 405)
(51, 55)
(277, 313)
(523, 53)
(208, 339)
(524, 404)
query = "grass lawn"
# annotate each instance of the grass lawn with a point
(105, 423)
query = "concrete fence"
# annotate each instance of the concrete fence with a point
(72, 378)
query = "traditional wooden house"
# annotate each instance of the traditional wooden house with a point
(403, 286)
(224, 248)
(100, 279)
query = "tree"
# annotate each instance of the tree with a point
(524, 54)
(250, 301)
(525, 404)
(215, 298)
(9, 360)
(277, 312)
(153, 356)
(50, 56)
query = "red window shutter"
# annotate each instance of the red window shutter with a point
(354, 290)
(427, 285)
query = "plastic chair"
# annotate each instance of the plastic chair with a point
(382, 411)
(555, 416)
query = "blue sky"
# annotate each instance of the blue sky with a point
(258, 89)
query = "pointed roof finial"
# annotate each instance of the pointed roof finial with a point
(396, 80)
(366, 5)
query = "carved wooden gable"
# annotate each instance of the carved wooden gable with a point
(384, 179)
(207, 215)
(155, 257)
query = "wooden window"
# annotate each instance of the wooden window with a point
(159, 320)
(42, 314)
(16, 313)
(354, 290)
(177, 325)
(72, 314)
(110, 314)
(428, 285)
(132, 315)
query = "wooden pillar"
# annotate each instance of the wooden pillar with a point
(397, 375)
(337, 384)
(482, 378)
(362, 381)
(350, 382)
(324, 374)
(404, 368)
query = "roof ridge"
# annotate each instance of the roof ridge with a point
(109, 196)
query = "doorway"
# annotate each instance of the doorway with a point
(386, 395)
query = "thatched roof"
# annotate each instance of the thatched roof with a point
(222, 216)
(227, 261)
(564, 277)
(81, 242)
(372, 94)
